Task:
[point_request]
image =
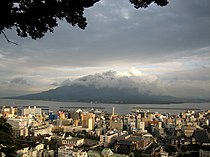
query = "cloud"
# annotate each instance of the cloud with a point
(19, 81)
(184, 84)
(14, 87)
(66, 82)
(55, 84)
(148, 35)
(116, 79)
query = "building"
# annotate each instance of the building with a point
(108, 139)
(88, 120)
(188, 130)
(141, 125)
(64, 151)
(204, 153)
(127, 143)
(201, 137)
(116, 124)
(31, 111)
(9, 111)
(19, 126)
(32, 150)
(65, 122)
(73, 141)
(90, 124)
(45, 153)
(43, 130)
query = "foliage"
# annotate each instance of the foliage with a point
(7, 142)
(36, 17)
(145, 3)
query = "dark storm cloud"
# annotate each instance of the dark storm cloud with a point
(118, 32)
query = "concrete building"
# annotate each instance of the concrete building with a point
(65, 151)
(42, 130)
(141, 125)
(90, 124)
(108, 139)
(116, 124)
(31, 111)
(19, 126)
(88, 120)
(188, 130)
(9, 111)
(73, 141)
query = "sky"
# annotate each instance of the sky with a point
(165, 50)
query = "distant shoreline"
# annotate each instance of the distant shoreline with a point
(165, 108)
(111, 102)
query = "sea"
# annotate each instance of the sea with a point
(121, 109)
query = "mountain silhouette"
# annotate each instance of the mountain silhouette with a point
(90, 93)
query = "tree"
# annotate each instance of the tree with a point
(7, 142)
(36, 17)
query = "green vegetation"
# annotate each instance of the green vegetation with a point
(7, 142)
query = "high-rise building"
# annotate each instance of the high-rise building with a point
(88, 120)
(141, 125)
(113, 111)
(159, 125)
(90, 124)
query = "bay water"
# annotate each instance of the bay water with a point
(119, 108)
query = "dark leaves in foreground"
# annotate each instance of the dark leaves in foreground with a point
(36, 17)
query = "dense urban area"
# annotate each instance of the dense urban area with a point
(92, 132)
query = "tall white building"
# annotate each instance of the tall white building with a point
(90, 124)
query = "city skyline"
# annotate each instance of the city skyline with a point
(88, 131)
(170, 45)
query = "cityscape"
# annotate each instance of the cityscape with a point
(91, 132)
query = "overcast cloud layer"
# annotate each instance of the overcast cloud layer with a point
(169, 44)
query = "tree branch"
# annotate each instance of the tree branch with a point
(9, 41)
